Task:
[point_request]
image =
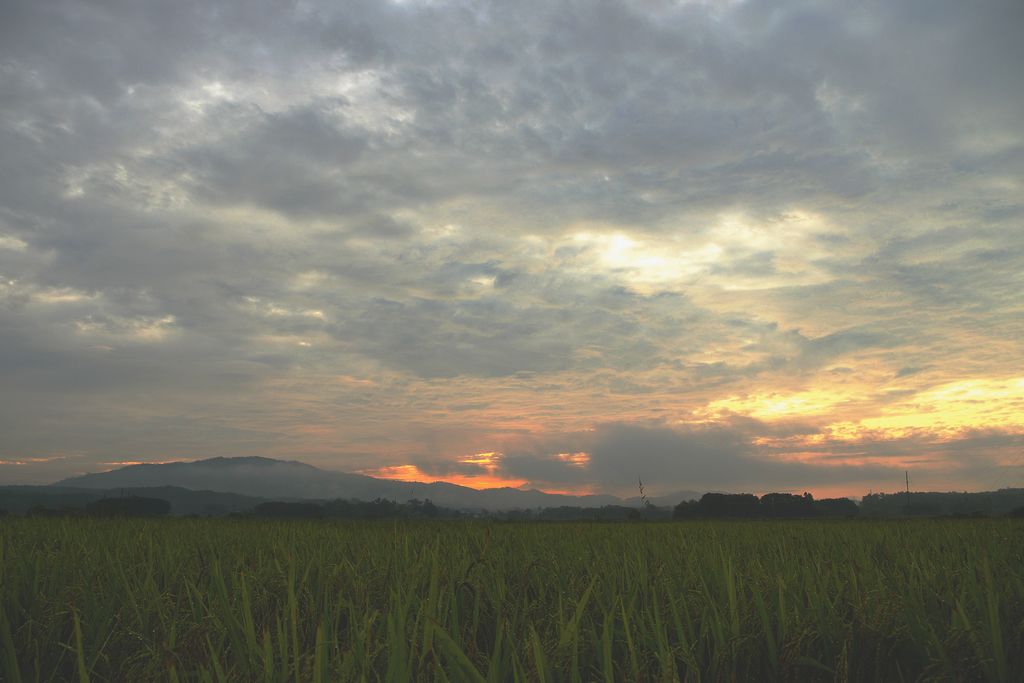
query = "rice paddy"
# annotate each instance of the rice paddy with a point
(252, 600)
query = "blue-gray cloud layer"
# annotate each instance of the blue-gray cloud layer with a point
(319, 228)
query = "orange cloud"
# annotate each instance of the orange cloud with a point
(491, 478)
(414, 474)
(579, 459)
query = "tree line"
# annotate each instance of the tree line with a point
(770, 505)
(1008, 502)
(121, 506)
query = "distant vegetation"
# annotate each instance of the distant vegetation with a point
(43, 501)
(351, 509)
(269, 600)
(129, 506)
(768, 506)
(914, 504)
(605, 513)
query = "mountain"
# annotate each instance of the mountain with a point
(290, 480)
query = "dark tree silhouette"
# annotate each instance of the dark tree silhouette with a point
(770, 505)
(729, 505)
(787, 505)
(836, 507)
(687, 509)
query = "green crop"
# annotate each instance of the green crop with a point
(250, 600)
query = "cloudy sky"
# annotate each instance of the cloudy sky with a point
(721, 245)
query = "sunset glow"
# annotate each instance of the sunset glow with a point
(413, 474)
(486, 475)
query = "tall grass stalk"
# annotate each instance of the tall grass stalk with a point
(226, 600)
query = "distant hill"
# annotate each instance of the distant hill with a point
(272, 479)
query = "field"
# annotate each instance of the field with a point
(248, 600)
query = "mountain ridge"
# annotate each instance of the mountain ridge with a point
(270, 478)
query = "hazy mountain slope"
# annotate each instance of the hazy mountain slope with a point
(262, 477)
(281, 479)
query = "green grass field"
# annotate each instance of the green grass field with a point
(247, 600)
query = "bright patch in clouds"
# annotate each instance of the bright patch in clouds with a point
(776, 406)
(579, 459)
(647, 267)
(953, 407)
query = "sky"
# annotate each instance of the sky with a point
(718, 245)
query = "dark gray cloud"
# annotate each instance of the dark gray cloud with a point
(667, 459)
(240, 225)
(725, 457)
